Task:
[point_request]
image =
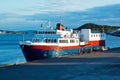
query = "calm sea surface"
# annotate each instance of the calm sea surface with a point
(10, 52)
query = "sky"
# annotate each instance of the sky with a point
(30, 14)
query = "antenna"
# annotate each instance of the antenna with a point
(49, 23)
(60, 19)
(41, 26)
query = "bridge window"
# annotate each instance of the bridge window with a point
(63, 41)
(72, 41)
(47, 32)
(91, 35)
(50, 40)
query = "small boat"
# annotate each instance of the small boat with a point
(61, 42)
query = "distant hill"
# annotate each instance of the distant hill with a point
(98, 28)
(11, 32)
(18, 32)
(94, 27)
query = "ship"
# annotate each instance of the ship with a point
(59, 42)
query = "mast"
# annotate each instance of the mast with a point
(48, 23)
(60, 19)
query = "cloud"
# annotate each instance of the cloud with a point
(47, 6)
(17, 22)
(31, 7)
(108, 15)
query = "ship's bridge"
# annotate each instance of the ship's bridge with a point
(47, 34)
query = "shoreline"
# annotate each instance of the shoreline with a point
(110, 53)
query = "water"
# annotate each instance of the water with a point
(10, 52)
(112, 41)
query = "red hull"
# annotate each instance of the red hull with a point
(99, 42)
(35, 52)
